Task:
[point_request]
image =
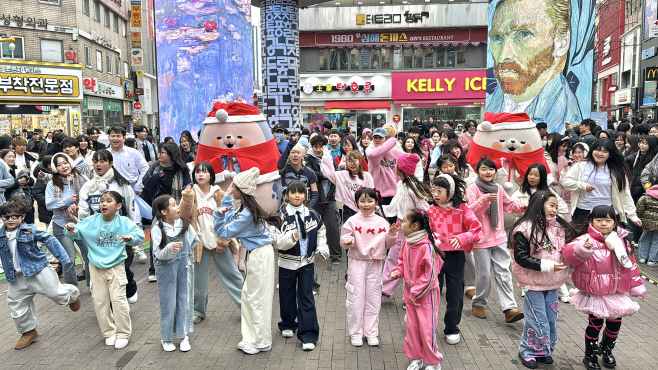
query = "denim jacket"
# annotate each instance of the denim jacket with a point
(31, 257)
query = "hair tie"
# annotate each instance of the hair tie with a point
(451, 182)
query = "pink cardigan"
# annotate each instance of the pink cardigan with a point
(346, 186)
(460, 223)
(382, 161)
(465, 140)
(478, 203)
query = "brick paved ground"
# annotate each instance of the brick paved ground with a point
(71, 339)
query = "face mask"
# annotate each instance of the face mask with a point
(544, 143)
(278, 136)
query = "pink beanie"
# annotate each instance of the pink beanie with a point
(407, 163)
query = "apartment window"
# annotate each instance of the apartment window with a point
(106, 15)
(85, 6)
(18, 50)
(125, 70)
(116, 23)
(51, 51)
(123, 28)
(51, 2)
(88, 57)
(99, 61)
(108, 60)
(117, 66)
(97, 11)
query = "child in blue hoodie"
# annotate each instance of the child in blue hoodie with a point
(105, 234)
(27, 269)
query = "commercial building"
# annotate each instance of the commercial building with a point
(364, 66)
(82, 46)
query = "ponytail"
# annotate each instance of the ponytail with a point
(420, 217)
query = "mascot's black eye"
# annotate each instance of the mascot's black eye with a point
(522, 142)
(219, 138)
(239, 137)
(502, 140)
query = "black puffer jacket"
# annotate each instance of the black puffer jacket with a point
(324, 185)
(633, 163)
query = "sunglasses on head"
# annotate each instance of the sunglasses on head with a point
(13, 217)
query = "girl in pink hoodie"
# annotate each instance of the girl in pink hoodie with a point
(419, 264)
(538, 238)
(602, 282)
(366, 235)
(382, 155)
(456, 228)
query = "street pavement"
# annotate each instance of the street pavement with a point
(73, 339)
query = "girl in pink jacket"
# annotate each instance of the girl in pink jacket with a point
(366, 235)
(538, 238)
(419, 264)
(488, 200)
(602, 282)
(456, 228)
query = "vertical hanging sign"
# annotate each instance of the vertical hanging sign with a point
(136, 13)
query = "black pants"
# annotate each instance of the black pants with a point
(327, 212)
(579, 217)
(152, 267)
(453, 271)
(131, 288)
(391, 220)
(297, 302)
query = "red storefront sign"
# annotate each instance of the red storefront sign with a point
(419, 38)
(610, 31)
(444, 86)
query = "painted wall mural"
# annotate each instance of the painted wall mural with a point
(540, 59)
(204, 53)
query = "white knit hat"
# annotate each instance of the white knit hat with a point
(246, 181)
(53, 165)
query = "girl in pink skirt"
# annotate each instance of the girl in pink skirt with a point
(602, 283)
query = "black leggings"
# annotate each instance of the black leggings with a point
(612, 327)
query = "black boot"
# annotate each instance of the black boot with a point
(591, 360)
(607, 344)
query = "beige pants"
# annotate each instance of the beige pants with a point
(109, 286)
(257, 297)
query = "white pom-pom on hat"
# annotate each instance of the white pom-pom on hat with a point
(485, 126)
(508, 186)
(221, 115)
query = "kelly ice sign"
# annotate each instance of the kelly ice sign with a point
(439, 85)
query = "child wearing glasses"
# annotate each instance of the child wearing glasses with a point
(27, 269)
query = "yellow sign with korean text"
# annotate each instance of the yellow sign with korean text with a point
(42, 82)
(136, 13)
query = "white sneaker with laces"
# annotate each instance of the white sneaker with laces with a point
(287, 333)
(133, 299)
(453, 338)
(652, 263)
(152, 278)
(185, 344)
(142, 256)
(308, 346)
(241, 345)
(373, 342)
(109, 341)
(357, 342)
(415, 365)
(121, 343)
(168, 346)
(250, 350)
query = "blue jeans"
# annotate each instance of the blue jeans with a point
(539, 335)
(228, 274)
(70, 276)
(175, 291)
(648, 246)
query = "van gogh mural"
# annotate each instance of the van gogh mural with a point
(540, 59)
(204, 53)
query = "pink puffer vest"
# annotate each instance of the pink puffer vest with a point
(536, 280)
(600, 274)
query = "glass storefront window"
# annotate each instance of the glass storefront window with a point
(440, 58)
(454, 114)
(374, 58)
(340, 120)
(418, 58)
(324, 59)
(397, 58)
(386, 59)
(355, 57)
(365, 59)
(461, 58)
(450, 63)
(429, 58)
(408, 58)
(338, 60)
(55, 120)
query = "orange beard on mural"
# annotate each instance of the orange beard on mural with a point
(514, 79)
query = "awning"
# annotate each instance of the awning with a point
(358, 104)
(438, 103)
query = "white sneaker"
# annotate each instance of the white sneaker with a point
(643, 260)
(168, 346)
(287, 333)
(453, 338)
(185, 344)
(433, 367)
(196, 319)
(523, 290)
(133, 299)
(357, 342)
(121, 343)
(405, 318)
(109, 341)
(250, 350)
(308, 346)
(565, 299)
(241, 345)
(415, 365)
(152, 278)
(315, 292)
(373, 342)
(142, 257)
(277, 286)
(2, 271)
(652, 263)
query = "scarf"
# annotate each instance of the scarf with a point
(519, 160)
(264, 156)
(415, 237)
(100, 183)
(177, 183)
(76, 182)
(489, 188)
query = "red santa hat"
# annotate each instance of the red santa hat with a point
(233, 113)
(505, 121)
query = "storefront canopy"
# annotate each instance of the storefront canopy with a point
(438, 103)
(359, 104)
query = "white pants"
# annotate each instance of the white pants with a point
(257, 297)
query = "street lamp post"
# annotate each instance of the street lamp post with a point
(12, 47)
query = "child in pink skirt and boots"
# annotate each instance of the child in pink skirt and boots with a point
(419, 264)
(602, 282)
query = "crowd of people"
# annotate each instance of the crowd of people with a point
(396, 207)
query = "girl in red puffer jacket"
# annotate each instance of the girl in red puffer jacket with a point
(602, 282)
